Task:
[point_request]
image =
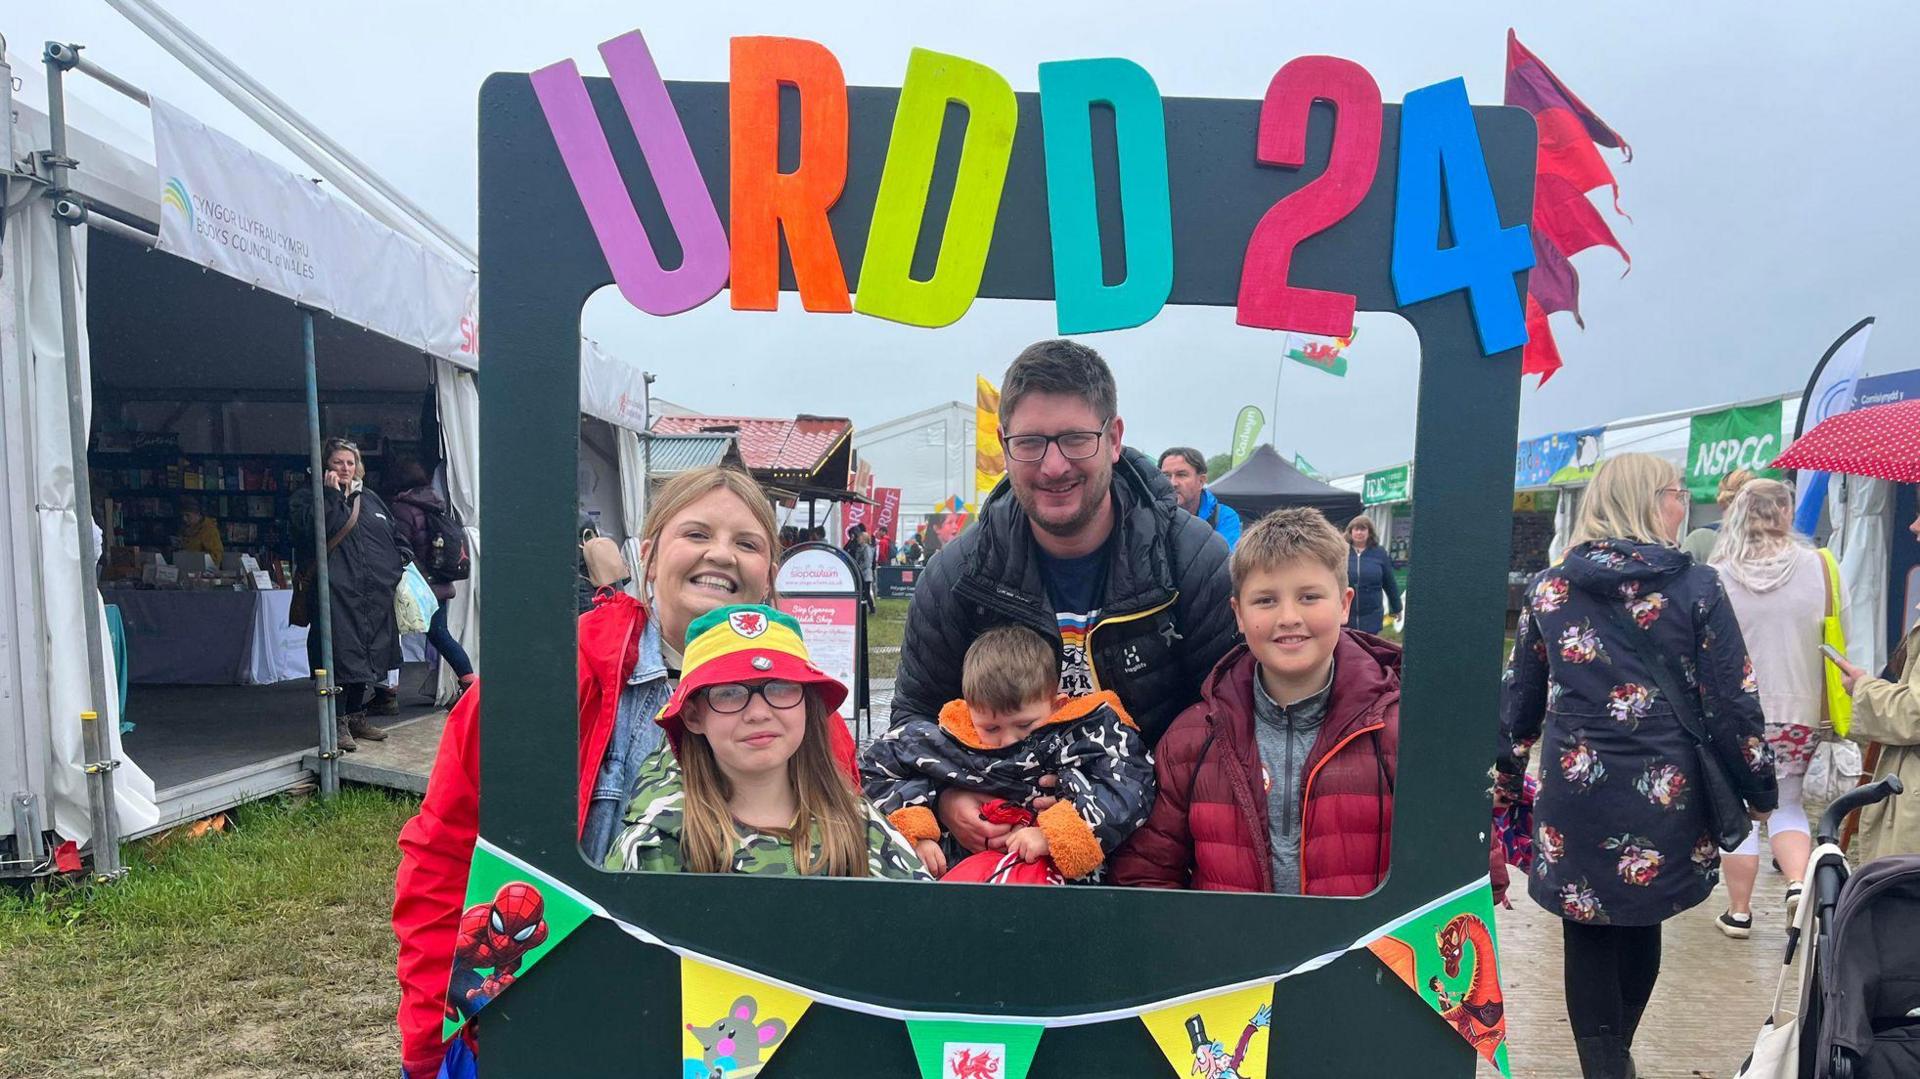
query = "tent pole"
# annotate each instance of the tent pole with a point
(322, 601)
(67, 214)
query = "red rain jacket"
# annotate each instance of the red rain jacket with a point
(436, 846)
(1208, 829)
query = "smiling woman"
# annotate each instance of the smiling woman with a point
(708, 543)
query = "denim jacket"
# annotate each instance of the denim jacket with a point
(635, 736)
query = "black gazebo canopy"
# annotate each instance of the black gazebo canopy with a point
(1265, 482)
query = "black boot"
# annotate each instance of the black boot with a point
(1604, 1056)
(1632, 1017)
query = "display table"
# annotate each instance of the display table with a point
(210, 638)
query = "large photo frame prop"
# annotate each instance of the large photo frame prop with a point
(1272, 208)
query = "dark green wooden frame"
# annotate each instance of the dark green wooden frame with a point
(605, 1004)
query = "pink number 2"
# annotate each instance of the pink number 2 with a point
(1266, 300)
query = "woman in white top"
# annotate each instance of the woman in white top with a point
(1777, 583)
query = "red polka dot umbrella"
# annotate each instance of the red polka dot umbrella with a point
(1882, 442)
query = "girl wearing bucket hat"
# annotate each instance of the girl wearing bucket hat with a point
(747, 781)
(709, 542)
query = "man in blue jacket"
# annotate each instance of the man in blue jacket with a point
(1187, 471)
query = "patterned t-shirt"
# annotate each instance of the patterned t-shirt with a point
(1074, 586)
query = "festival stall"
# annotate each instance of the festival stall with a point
(1265, 482)
(199, 399)
(803, 461)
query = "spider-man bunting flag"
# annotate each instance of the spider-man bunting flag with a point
(1564, 222)
(513, 918)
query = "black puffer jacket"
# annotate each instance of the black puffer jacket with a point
(1089, 745)
(1163, 623)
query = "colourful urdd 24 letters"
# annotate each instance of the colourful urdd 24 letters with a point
(623, 240)
(1084, 303)
(766, 201)
(887, 288)
(1437, 134)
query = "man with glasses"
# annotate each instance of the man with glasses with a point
(1083, 541)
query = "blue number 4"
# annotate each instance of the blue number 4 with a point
(1437, 136)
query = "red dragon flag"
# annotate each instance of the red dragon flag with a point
(1564, 223)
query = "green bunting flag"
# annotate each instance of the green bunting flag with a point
(515, 915)
(953, 1050)
(1447, 954)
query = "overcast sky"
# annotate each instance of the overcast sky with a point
(1772, 152)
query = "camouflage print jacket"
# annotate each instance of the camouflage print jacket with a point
(650, 838)
(1090, 745)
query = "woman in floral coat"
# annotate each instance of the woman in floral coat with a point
(1621, 837)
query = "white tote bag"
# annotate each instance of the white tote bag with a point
(1776, 1052)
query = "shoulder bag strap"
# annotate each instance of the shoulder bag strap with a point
(1829, 572)
(353, 518)
(1682, 702)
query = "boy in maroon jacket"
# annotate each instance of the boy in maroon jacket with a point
(1281, 778)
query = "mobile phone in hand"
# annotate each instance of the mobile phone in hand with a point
(1833, 655)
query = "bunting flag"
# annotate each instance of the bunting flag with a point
(732, 1025)
(1447, 954)
(1554, 282)
(1221, 1037)
(1535, 88)
(734, 1019)
(515, 915)
(989, 459)
(1564, 222)
(947, 1049)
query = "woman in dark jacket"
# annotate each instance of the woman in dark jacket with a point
(1369, 574)
(364, 566)
(1621, 835)
(412, 507)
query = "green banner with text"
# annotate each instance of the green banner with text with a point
(1721, 442)
(1388, 485)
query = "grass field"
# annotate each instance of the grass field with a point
(264, 951)
(884, 630)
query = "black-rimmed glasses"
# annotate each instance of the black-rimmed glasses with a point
(733, 696)
(1074, 445)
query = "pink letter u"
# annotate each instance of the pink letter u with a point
(663, 143)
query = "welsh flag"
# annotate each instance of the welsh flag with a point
(1564, 222)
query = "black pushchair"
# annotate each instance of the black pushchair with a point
(1857, 942)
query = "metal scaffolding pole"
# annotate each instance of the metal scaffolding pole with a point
(68, 214)
(321, 603)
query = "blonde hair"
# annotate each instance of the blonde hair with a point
(1759, 524)
(1623, 501)
(825, 799)
(335, 445)
(1286, 535)
(1730, 485)
(675, 495)
(1007, 668)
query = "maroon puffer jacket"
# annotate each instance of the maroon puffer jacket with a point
(1208, 829)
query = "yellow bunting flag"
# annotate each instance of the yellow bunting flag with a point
(1216, 1037)
(732, 1025)
(989, 462)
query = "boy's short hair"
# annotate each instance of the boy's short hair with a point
(1008, 668)
(1286, 535)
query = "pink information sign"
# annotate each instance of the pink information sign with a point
(831, 628)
